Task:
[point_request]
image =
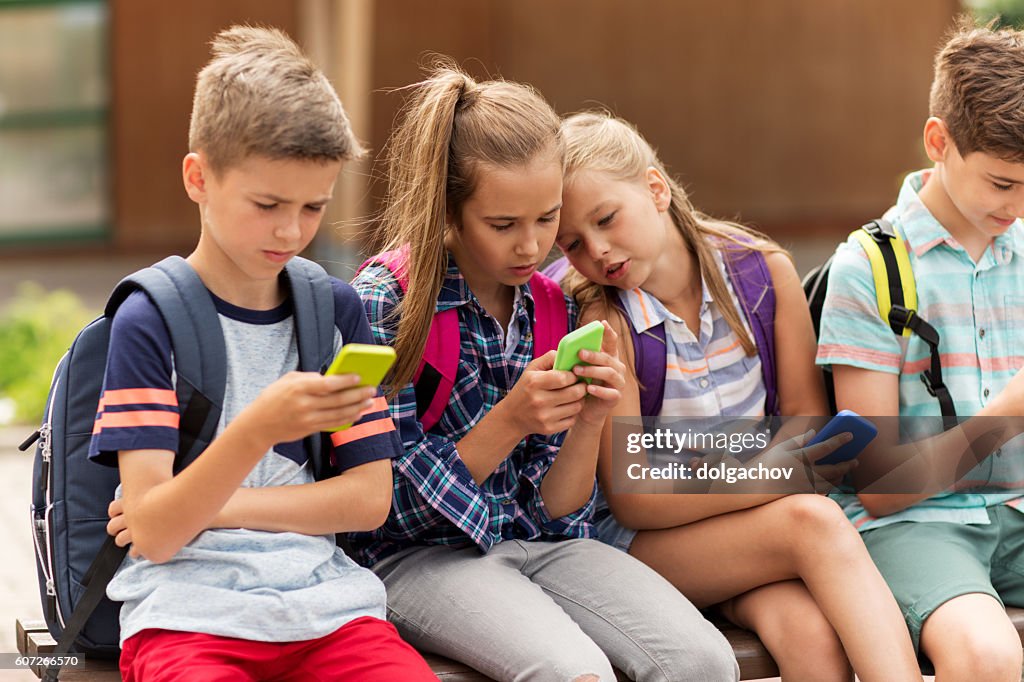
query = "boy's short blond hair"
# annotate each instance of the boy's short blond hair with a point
(261, 96)
(978, 90)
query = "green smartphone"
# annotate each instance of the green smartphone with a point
(370, 362)
(587, 337)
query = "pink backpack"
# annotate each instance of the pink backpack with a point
(435, 377)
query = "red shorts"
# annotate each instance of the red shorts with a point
(366, 649)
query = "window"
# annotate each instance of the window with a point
(54, 93)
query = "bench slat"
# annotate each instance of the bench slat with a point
(34, 639)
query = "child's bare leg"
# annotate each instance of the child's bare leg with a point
(803, 537)
(794, 630)
(970, 638)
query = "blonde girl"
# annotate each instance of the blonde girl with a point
(791, 568)
(487, 555)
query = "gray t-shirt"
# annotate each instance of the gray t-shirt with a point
(241, 583)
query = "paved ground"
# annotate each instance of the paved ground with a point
(19, 595)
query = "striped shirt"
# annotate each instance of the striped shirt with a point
(977, 310)
(436, 500)
(707, 372)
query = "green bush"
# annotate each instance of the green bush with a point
(36, 328)
(1009, 12)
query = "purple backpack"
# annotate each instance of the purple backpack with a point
(435, 376)
(752, 282)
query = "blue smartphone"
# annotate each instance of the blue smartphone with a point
(846, 421)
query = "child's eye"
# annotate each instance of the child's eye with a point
(265, 207)
(502, 226)
(314, 208)
(1002, 188)
(571, 246)
(607, 219)
(549, 218)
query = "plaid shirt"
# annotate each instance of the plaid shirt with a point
(436, 500)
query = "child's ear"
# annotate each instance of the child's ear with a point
(194, 174)
(937, 141)
(660, 191)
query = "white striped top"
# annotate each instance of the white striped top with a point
(707, 372)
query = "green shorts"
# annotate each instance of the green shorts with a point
(928, 563)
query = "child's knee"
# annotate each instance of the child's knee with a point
(708, 656)
(813, 517)
(579, 668)
(980, 656)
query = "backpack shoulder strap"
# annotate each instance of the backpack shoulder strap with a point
(397, 263)
(650, 353)
(752, 281)
(434, 380)
(94, 589)
(896, 294)
(550, 314)
(314, 313)
(890, 268)
(200, 358)
(313, 304)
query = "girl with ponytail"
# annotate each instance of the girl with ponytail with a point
(487, 553)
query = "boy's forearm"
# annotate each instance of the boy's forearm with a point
(357, 500)
(935, 465)
(569, 482)
(167, 515)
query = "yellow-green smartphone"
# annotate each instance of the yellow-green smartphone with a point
(587, 337)
(370, 362)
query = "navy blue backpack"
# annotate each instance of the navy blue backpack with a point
(750, 278)
(75, 557)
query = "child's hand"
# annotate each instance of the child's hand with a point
(823, 477)
(301, 403)
(606, 368)
(118, 527)
(544, 401)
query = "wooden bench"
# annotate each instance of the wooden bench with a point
(34, 640)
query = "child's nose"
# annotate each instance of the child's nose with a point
(289, 228)
(597, 248)
(529, 245)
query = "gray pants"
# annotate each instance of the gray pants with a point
(552, 611)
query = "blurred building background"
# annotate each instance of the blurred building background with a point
(797, 117)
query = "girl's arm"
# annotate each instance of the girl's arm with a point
(649, 510)
(799, 381)
(569, 483)
(542, 401)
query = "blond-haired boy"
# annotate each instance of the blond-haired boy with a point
(952, 560)
(234, 572)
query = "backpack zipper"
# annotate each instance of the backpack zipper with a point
(46, 452)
